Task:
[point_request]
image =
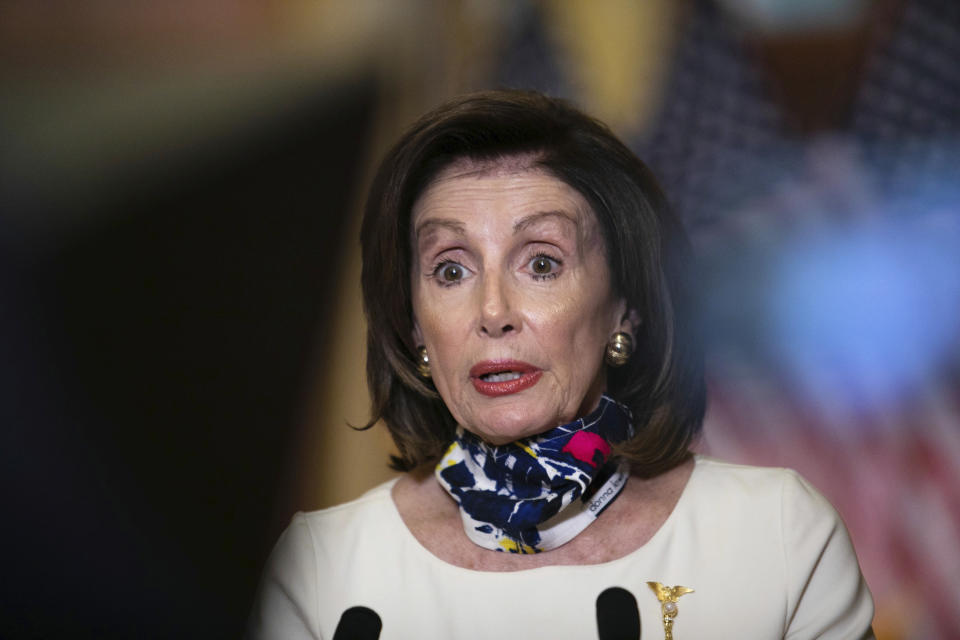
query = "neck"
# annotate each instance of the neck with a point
(434, 520)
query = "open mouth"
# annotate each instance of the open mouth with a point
(502, 376)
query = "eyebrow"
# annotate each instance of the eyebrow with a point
(534, 218)
(445, 223)
(527, 221)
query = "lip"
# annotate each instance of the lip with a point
(529, 376)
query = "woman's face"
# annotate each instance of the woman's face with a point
(512, 298)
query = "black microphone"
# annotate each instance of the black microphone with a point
(358, 623)
(618, 617)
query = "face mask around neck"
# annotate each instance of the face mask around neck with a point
(537, 493)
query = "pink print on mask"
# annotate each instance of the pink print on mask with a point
(584, 446)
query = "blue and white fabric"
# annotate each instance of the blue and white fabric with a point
(537, 493)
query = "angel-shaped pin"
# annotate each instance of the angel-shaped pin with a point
(668, 597)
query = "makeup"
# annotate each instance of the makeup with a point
(503, 377)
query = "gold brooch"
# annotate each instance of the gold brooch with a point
(668, 597)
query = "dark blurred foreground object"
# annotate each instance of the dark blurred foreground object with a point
(155, 359)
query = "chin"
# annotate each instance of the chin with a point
(508, 425)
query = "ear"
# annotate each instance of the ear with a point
(630, 320)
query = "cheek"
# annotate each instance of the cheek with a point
(586, 308)
(441, 329)
(425, 313)
(575, 325)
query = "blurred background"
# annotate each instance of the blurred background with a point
(180, 317)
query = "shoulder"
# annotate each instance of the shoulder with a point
(316, 553)
(373, 504)
(778, 514)
(332, 532)
(781, 491)
(772, 504)
(750, 478)
(315, 538)
(730, 488)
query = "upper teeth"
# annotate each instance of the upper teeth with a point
(501, 377)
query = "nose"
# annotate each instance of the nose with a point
(497, 313)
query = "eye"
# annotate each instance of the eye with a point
(543, 266)
(449, 273)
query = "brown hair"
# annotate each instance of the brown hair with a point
(646, 246)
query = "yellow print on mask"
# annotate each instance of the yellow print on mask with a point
(515, 547)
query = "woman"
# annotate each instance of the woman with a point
(530, 350)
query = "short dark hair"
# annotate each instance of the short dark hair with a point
(646, 246)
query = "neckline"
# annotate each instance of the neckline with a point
(655, 539)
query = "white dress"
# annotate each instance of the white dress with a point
(765, 554)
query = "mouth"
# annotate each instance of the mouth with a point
(503, 377)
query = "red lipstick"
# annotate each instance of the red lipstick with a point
(503, 377)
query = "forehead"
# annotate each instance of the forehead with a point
(512, 188)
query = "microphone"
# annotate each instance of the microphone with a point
(358, 623)
(618, 617)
